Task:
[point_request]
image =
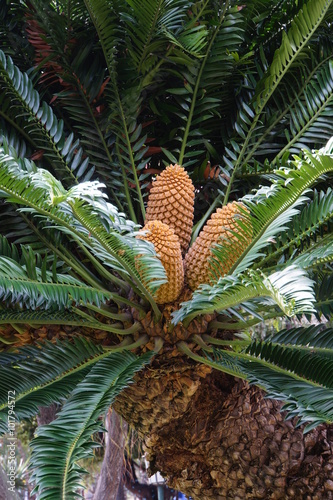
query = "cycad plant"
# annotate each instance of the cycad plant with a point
(165, 172)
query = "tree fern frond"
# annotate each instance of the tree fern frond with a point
(92, 397)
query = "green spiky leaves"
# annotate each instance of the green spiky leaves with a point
(90, 376)
(86, 218)
(290, 289)
(69, 436)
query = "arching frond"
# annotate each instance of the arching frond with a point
(307, 400)
(91, 398)
(294, 366)
(73, 212)
(273, 207)
(40, 375)
(302, 28)
(324, 294)
(304, 232)
(320, 254)
(200, 97)
(38, 124)
(33, 287)
(254, 117)
(290, 289)
(123, 109)
(151, 25)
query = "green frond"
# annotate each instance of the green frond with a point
(122, 253)
(45, 373)
(290, 289)
(310, 117)
(294, 366)
(273, 207)
(315, 336)
(10, 138)
(317, 255)
(303, 231)
(53, 317)
(324, 293)
(18, 286)
(307, 362)
(91, 398)
(123, 109)
(76, 213)
(80, 75)
(192, 40)
(38, 124)
(256, 115)
(305, 399)
(40, 375)
(301, 29)
(201, 98)
(300, 116)
(151, 25)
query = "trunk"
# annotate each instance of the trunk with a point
(47, 414)
(111, 475)
(214, 437)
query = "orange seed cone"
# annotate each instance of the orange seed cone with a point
(198, 268)
(171, 201)
(167, 246)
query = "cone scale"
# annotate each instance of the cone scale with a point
(171, 201)
(199, 268)
(167, 246)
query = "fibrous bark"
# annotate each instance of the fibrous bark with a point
(110, 478)
(214, 437)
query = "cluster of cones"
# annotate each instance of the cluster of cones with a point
(168, 225)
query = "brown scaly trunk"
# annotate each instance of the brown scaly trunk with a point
(210, 435)
(214, 437)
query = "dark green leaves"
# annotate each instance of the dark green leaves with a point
(40, 375)
(290, 289)
(69, 436)
(38, 123)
